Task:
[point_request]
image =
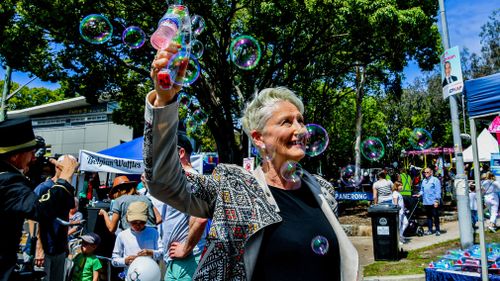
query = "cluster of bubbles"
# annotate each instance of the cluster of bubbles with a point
(196, 115)
(372, 149)
(320, 245)
(97, 29)
(420, 139)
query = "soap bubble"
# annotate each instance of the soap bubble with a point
(372, 149)
(133, 37)
(190, 124)
(198, 25)
(184, 100)
(316, 140)
(245, 52)
(266, 153)
(197, 48)
(420, 139)
(291, 171)
(348, 177)
(96, 29)
(320, 245)
(200, 117)
(172, 68)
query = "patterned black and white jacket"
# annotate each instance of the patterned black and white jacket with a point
(239, 203)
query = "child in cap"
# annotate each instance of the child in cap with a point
(86, 265)
(137, 240)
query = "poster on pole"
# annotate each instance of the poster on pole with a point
(451, 72)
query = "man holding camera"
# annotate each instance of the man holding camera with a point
(17, 199)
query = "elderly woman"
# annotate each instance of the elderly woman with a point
(263, 226)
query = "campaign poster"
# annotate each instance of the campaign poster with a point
(451, 72)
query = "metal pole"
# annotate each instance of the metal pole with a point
(6, 90)
(460, 183)
(479, 199)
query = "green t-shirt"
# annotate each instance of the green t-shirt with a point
(84, 267)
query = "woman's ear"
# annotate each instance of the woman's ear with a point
(257, 138)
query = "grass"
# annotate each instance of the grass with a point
(418, 260)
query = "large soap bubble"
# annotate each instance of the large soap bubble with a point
(134, 37)
(372, 149)
(144, 269)
(245, 52)
(316, 140)
(420, 139)
(96, 29)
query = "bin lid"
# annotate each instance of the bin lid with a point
(383, 208)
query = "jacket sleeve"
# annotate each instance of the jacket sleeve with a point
(164, 175)
(21, 200)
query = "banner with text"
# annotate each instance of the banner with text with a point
(96, 162)
(353, 196)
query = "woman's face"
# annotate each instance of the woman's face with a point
(284, 133)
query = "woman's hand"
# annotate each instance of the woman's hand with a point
(164, 97)
(103, 212)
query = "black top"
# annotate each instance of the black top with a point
(286, 252)
(17, 203)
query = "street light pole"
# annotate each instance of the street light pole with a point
(6, 90)
(460, 183)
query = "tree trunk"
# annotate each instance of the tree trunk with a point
(360, 81)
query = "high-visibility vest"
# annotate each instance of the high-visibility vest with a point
(406, 181)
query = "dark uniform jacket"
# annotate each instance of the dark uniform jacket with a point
(17, 203)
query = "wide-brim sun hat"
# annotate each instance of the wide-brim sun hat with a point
(122, 182)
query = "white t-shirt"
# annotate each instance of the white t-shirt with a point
(400, 201)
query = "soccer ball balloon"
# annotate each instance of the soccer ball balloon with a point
(143, 269)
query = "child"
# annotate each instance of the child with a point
(397, 199)
(473, 205)
(138, 239)
(86, 265)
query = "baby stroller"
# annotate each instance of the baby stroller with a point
(414, 228)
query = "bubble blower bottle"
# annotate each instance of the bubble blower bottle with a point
(173, 27)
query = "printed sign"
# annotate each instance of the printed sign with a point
(451, 72)
(382, 230)
(495, 164)
(248, 163)
(353, 196)
(96, 162)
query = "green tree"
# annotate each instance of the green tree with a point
(315, 48)
(29, 97)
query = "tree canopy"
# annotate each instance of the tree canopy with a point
(313, 47)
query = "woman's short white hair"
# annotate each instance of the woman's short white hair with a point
(261, 108)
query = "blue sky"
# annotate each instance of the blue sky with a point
(465, 18)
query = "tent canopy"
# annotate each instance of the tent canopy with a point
(125, 158)
(486, 144)
(128, 150)
(483, 95)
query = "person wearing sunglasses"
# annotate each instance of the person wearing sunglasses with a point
(430, 191)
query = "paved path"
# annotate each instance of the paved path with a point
(364, 244)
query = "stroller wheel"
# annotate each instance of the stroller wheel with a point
(420, 231)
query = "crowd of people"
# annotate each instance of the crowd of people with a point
(234, 224)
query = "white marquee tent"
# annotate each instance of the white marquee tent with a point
(486, 145)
